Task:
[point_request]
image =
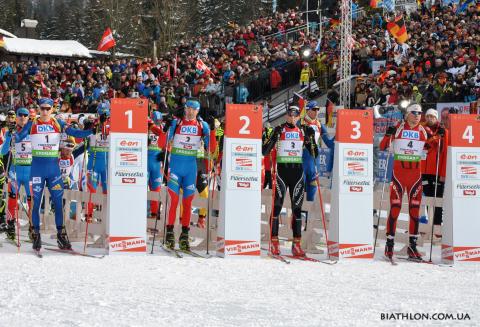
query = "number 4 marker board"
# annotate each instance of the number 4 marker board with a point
(238, 233)
(127, 180)
(461, 200)
(350, 229)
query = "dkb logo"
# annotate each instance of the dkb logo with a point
(291, 135)
(45, 128)
(189, 130)
(411, 135)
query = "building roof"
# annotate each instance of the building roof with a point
(56, 48)
(7, 33)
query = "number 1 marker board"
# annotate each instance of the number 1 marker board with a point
(350, 229)
(238, 233)
(127, 180)
(461, 200)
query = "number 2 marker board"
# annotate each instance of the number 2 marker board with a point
(238, 233)
(461, 200)
(350, 230)
(127, 180)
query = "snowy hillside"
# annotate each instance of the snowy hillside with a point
(158, 290)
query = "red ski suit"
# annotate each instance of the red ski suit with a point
(408, 144)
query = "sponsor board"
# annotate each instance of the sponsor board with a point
(355, 162)
(351, 185)
(127, 244)
(460, 253)
(244, 182)
(244, 157)
(232, 247)
(356, 251)
(128, 153)
(468, 165)
(467, 189)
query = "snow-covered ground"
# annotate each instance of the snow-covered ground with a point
(159, 290)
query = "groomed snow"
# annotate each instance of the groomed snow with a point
(61, 48)
(158, 290)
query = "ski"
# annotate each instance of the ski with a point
(390, 260)
(170, 251)
(73, 252)
(38, 254)
(12, 242)
(279, 257)
(424, 261)
(327, 262)
(195, 254)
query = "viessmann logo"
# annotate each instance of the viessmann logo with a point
(120, 173)
(237, 178)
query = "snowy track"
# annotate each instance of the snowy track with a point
(158, 290)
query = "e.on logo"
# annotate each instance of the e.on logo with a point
(129, 143)
(244, 148)
(468, 157)
(352, 153)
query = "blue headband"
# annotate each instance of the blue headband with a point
(46, 101)
(193, 104)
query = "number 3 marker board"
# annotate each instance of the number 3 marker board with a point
(238, 233)
(350, 230)
(461, 200)
(127, 180)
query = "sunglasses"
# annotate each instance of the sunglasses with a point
(416, 113)
(293, 113)
(22, 115)
(45, 108)
(315, 109)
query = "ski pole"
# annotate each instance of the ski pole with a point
(166, 199)
(90, 195)
(211, 172)
(274, 190)
(383, 193)
(9, 161)
(320, 198)
(435, 196)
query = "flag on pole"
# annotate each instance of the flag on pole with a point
(200, 65)
(464, 5)
(107, 40)
(300, 102)
(375, 3)
(329, 113)
(398, 29)
(175, 65)
(389, 5)
(319, 42)
(2, 42)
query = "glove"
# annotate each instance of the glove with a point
(161, 156)
(87, 124)
(211, 122)
(11, 127)
(309, 132)
(390, 131)
(103, 118)
(149, 122)
(167, 122)
(277, 131)
(441, 131)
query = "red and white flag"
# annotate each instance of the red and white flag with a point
(200, 65)
(107, 40)
(175, 65)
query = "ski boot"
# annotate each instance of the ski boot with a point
(183, 241)
(170, 238)
(389, 247)
(275, 246)
(297, 250)
(37, 241)
(201, 222)
(30, 232)
(11, 230)
(62, 240)
(3, 224)
(412, 249)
